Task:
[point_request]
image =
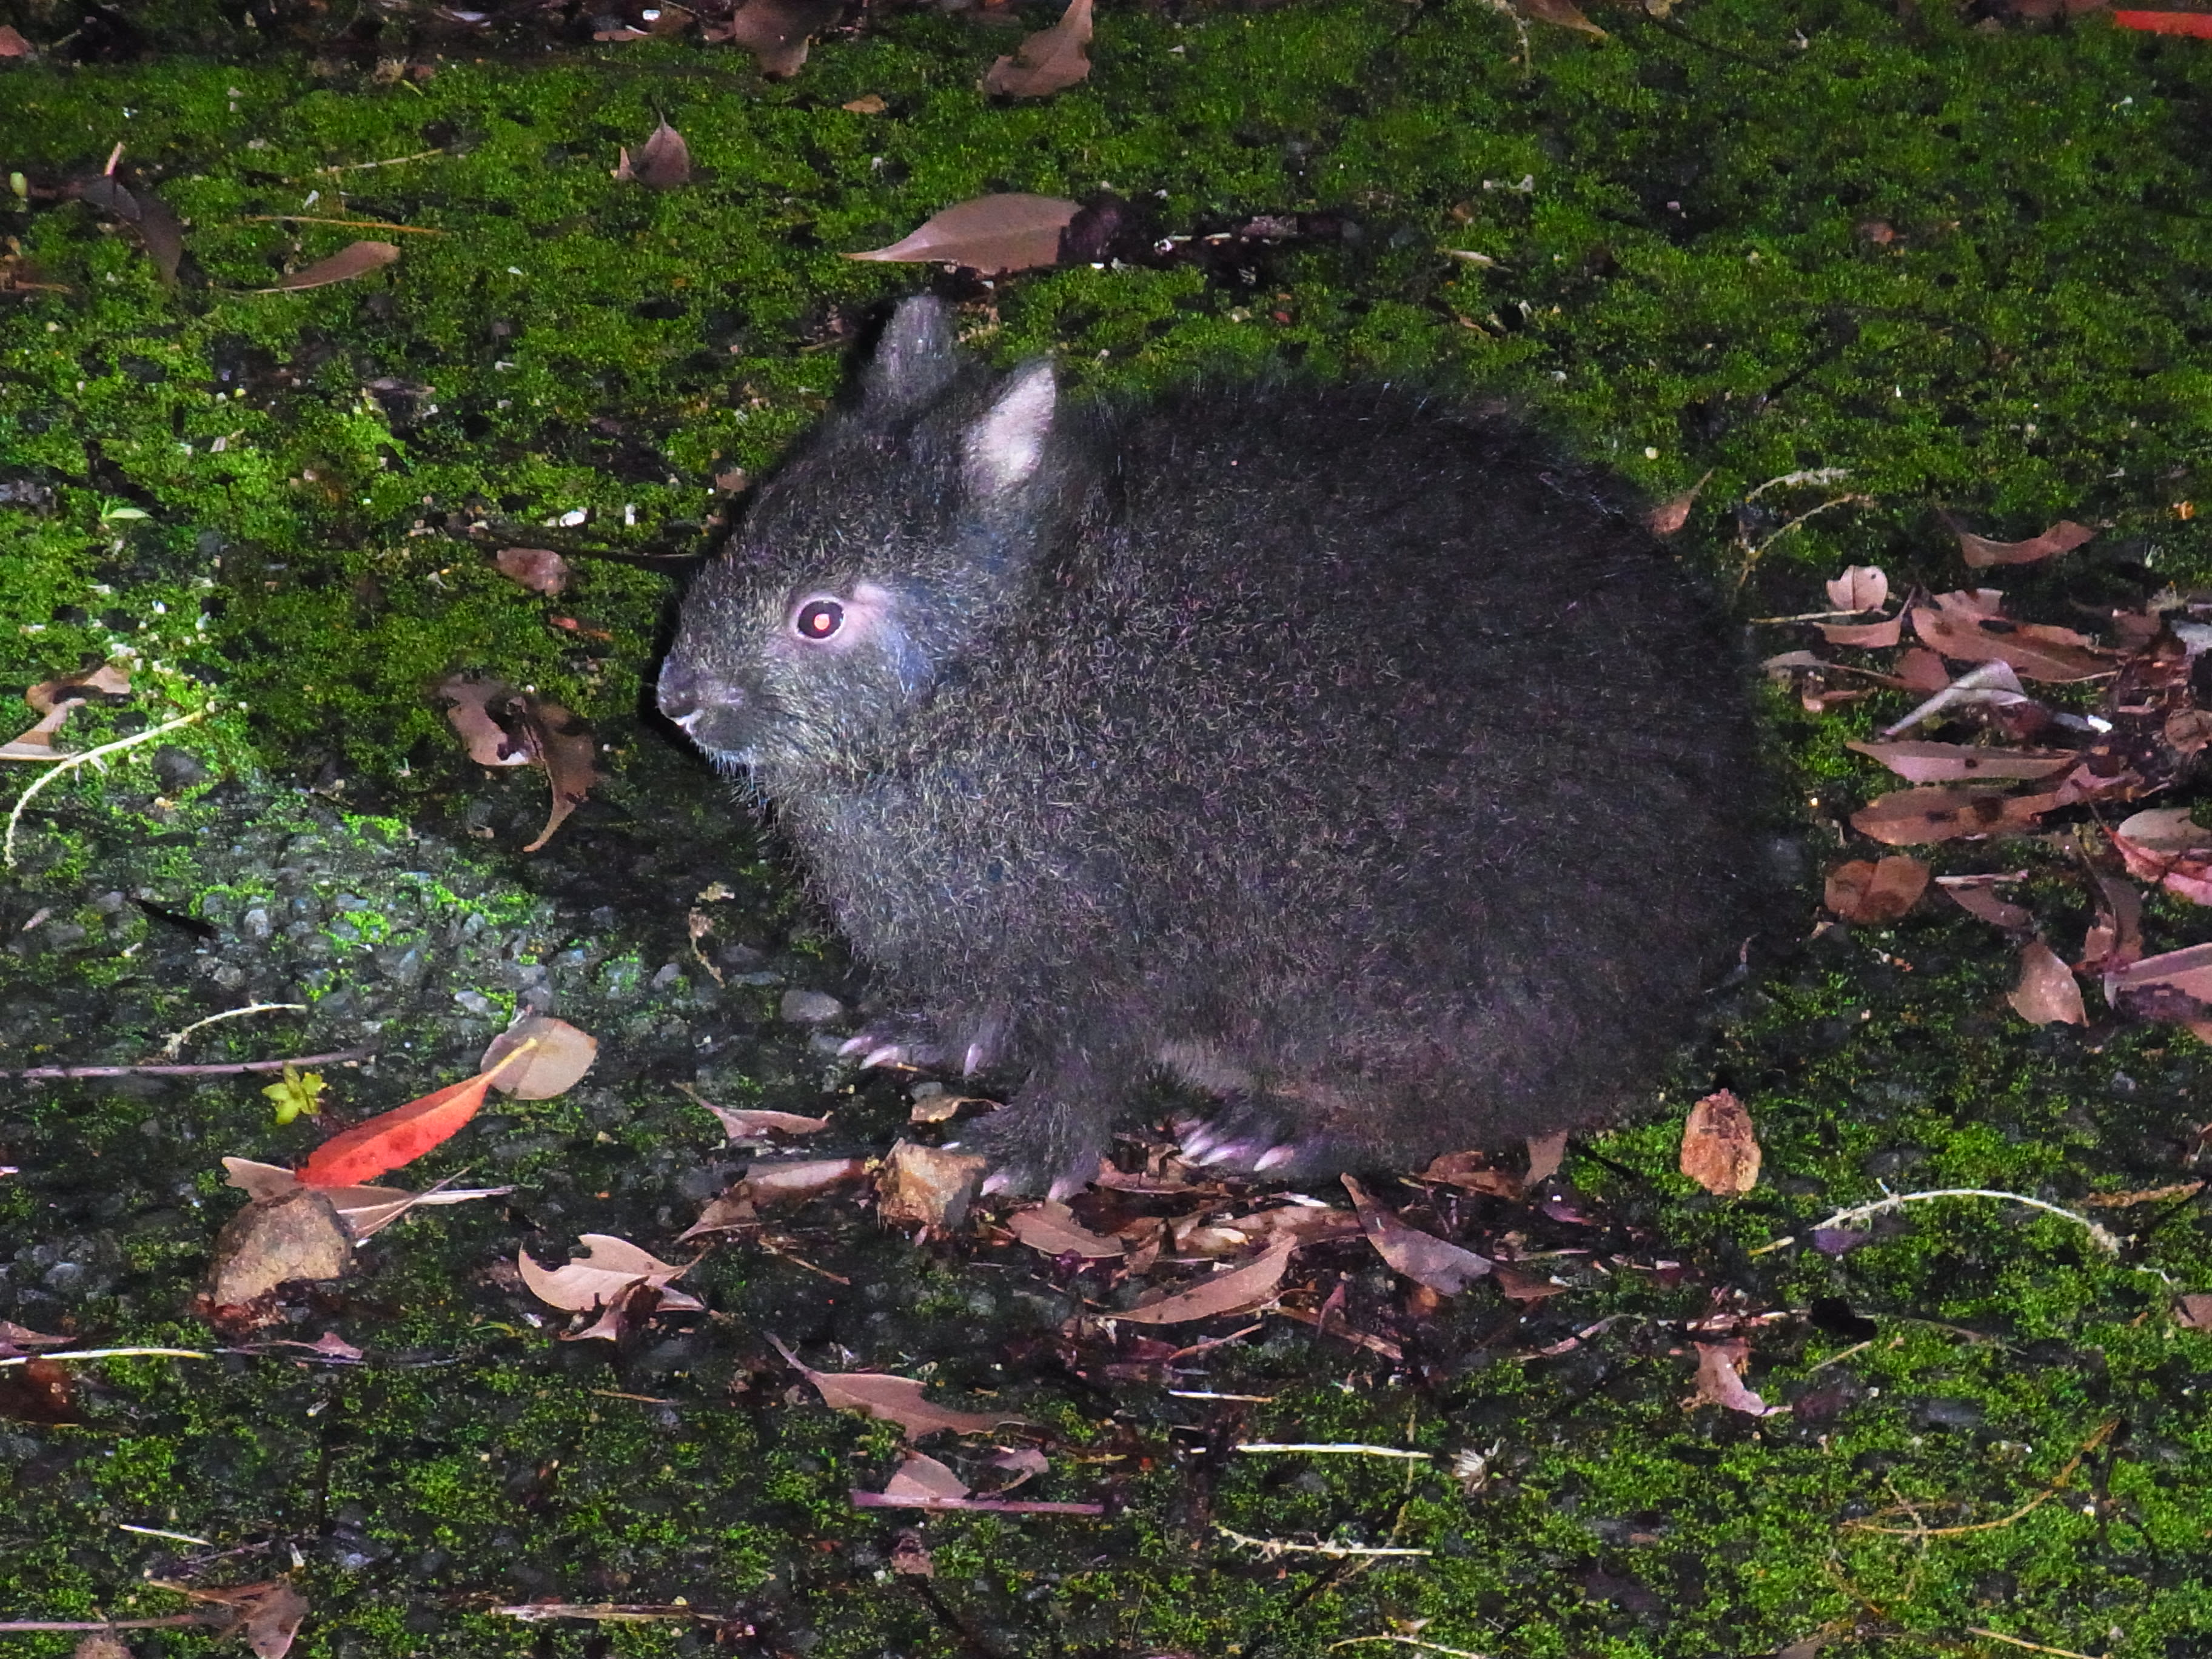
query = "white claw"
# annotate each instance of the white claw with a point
(889, 1054)
(997, 1182)
(853, 1045)
(1222, 1154)
(1197, 1144)
(973, 1062)
(1066, 1187)
(1274, 1158)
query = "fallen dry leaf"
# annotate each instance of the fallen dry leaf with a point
(1670, 515)
(155, 221)
(2192, 1310)
(2047, 993)
(1422, 1257)
(777, 31)
(540, 569)
(1864, 892)
(1865, 636)
(921, 1476)
(1048, 61)
(609, 1266)
(2175, 986)
(1980, 552)
(1720, 1151)
(894, 1399)
(365, 1209)
(355, 259)
(1562, 13)
(928, 1186)
(559, 1055)
(1720, 1378)
(750, 1124)
(1861, 587)
(1954, 627)
(989, 235)
(1959, 763)
(399, 1136)
(910, 1557)
(55, 701)
(1910, 818)
(276, 1241)
(42, 1392)
(2114, 940)
(1546, 1154)
(795, 1180)
(1235, 1291)
(267, 1614)
(664, 161)
(1053, 1229)
(868, 103)
(1976, 899)
(503, 726)
(13, 44)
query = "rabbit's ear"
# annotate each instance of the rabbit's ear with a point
(1004, 447)
(916, 359)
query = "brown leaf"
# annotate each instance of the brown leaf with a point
(1868, 637)
(470, 706)
(1961, 763)
(13, 44)
(267, 1614)
(1720, 1151)
(1980, 552)
(1909, 818)
(356, 259)
(276, 1241)
(1564, 14)
(792, 1180)
(1422, 1257)
(365, 1209)
(540, 569)
(1977, 899)
(2192, 1310)
(2047, 993)
(728, 1211)
(562, 1054)
(1953, 626)
(988, 234)
(927, 1186)
(608, 1267)
(909, 1556)
(1670, 515)
(2185, 975)
(1235, 1291)
(894, 1399)
(1049, 60)
(22, 1339)
(1546, 1154)
(920, 1476)
(1870, 892)
(1053, 1229)
(2115, 939)
(157, 223)
(100, 1644)
(868, 103)
(1720, 1378)
(502, 727)
(664, 161)
(1861, 587)
(746, 1123)
(39, 1391)
(776, 31)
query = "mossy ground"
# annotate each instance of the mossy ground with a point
(1967, 266)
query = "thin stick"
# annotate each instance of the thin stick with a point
(70, 763)
(156, 1531)
(358, 224)
(1271, 1547)
(2105, 1240)
(170, 1622)
(55, 1073)
(2033, 1647)
(108, 1353)
(395, 161)
(174, 1045)
(1409, 1642)
(2058, 1484)
(1346, 1447)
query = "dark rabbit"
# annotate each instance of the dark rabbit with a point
(1344, 754)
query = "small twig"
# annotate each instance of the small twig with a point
(1752, 556)
(394, 161)
(170, 1621)
(801, 1261)
(357, 224)
(57, 1073)
(1408, 1642)
(2058, 1484)
(613, 1613)
(2105, 1240)
(157, 1532)
(66, 764)
(2033, 1647)
(1271, 1547)
(1344, 1448)
(883, 1500)
(174, 1045)
(108, 1353)
(1818, 475)
(1838, 1358)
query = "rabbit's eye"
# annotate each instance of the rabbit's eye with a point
(817, 619)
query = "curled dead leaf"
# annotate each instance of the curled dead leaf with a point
(1720, 1151)
(559, 1055)
(1870, 892)
(1237, 1291)
(2047, 993)
(1861, 587)
(355, 259)
(664, 161)
(1444, 1267)
(1959, 763)
(1052, 1229)
(1048, 61)
(540, 569)
(990, 234)
(894, 1399)
(1980, 552)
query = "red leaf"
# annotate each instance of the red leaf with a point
(2197, 23)
(401, 1135)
